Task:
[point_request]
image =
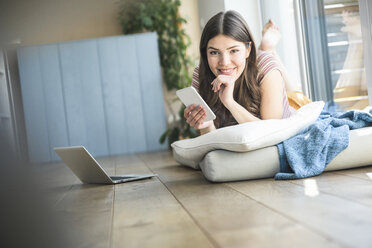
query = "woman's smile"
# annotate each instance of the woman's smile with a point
(228, 71)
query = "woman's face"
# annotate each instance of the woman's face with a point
(227, 56)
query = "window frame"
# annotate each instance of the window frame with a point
(316, 58)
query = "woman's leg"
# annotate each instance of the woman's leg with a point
(270, 38)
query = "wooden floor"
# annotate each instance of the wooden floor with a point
(180, 208)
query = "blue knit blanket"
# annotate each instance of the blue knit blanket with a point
(309, 152)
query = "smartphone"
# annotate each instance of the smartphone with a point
(190, 96)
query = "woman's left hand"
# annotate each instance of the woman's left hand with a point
(224, 85)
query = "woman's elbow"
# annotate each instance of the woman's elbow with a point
(272, 115)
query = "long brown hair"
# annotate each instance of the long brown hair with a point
(246, 90)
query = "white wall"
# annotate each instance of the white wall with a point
(250, 10)
(207, 9)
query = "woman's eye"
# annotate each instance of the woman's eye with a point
(234, 51)
(213, 52)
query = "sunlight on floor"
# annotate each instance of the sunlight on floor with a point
(311, 187)
(369, 175)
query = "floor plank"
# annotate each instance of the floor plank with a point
(349, 188)
(330, 215)
(229, 217)
(363, 172)
(86, 211)
(146, 214)
(55, 180)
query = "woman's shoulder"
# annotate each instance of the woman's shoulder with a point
(196, 70)
(266, 62)
(265, 57)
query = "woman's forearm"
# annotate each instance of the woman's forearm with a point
(207, 129)
(240, 114)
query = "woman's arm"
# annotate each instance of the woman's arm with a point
(224, 85)
(272, 96)
(288, 80)
(270, 38)
(240, 114)
(271, 100)
(208, 129)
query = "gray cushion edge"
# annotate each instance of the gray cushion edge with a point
(224, 166)
(183, 161)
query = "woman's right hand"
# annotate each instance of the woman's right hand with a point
(195, 116)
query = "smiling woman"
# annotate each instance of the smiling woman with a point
(241, 84)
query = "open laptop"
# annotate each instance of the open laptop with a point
(88, 170)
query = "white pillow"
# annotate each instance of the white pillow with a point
(245, 137)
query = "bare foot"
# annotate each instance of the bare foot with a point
(270, 36)
(352, 25)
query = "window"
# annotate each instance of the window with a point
(334, 52)
(345, 47)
